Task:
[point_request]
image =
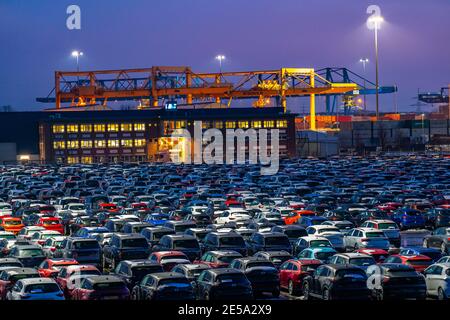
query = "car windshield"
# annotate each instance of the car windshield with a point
(173, 257)
(323, 255)
(232, 278)
(351, 273)
(327, 230)
(50, 222)
(175, 281)
(134, 243)
(310, 267)
(185, 244)
(31, 253)
(418, 262)
(77, 207)
(7, 236)
(362, 262)
(109, 285)
(18, 277)
(227, 259)
(374, 235)
(87, 272)
(277, 241)
(259, 264)
(13, 222)
(387, 226)
(295, 233)
(86, 245)
(141, 271)
(319, 243)
(232, 241)
(182, 227)
(413, 213)
(42, 288)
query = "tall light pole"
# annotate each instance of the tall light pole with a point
(220, 57)
(364, 61)
(77, 54)
(376, 21)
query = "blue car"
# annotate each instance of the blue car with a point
(308, 221)
(156, 219)
(409, 218)
(90, 232)
(322, 253)
(433, 253)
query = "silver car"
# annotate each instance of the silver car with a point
(366, 238)
(437, 277)
(35, 289)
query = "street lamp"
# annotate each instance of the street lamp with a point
(364, 61)
(220, 57)
(77, 54)
(375, 22)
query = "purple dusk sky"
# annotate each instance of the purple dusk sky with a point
(254, 35)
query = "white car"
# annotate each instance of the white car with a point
(366, 238)
(333, 234)
(283, 211)
(76, 209)
(35, 289)
(437, 277)
(5, 209)
(232, 215)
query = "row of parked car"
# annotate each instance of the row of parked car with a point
(318, 229)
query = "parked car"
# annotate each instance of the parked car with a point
(9, 277)
(276, 257)
(49, 268)
(101, 288)
(124, 247)
(30, 256)
(179, 242)
(214, 241)
(164, 286)
(439, 238)
(366, 238)
(35, 289)
(268, 241)
(293, 272)
(418, 262)
(133, 271)
(223, 284)
(437, 277)
(218, 259)
(354, 258)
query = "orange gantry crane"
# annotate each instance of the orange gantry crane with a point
(89, 88)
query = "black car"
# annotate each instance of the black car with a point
(336, 281)
(180, 226)
(396, 281)
(85, 251)
(179, 242)
(292, 231)
(31, 256)
(133, 271)
(225, 241)
(200, 219)
(191, 272)
(437, 217)
(154, 234)
(164, 286)
(134, 227)
(276, 257)
(262, 274)
(268, 241)
(125, 247)
(223, 284)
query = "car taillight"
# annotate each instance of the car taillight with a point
(386, 279)
(53, 249)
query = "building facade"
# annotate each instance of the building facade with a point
(144, 135)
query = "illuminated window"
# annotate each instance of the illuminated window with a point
(72, 144)
(230, 125)
(126, 127)
(256, 124)
(139, 142)
(99, 127)
(269, 124)
(100, 143)
(206, 124)
(72, 160)
(86, 159)
(113, 127)
(86, 144)
(86, 128)
(139, 127)
(72, 128)
(58, 128)
(180, 124)
(282, 123)
(126, 143)
(59, 144)
(243, 124)
(113, 143)
(218, 124)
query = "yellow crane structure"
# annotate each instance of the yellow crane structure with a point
(159, 83)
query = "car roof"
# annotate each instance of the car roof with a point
(220, 271)
(105, 279)
(166, 275)
(141, 262)
(224, 253)
(19, 270)
(29, 281)
(352, 255)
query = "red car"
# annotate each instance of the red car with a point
(218, 259)
(66, 272)
(51, 223)
(389, 206)
(168, 259)
(50, 267)
(109, 207)
(419, 262)
(378, 254)
(102, 288)
(292, 273)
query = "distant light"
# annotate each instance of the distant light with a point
(375, 21)
(76, 53)
(364, 60)
(220, 57)
(24, 157)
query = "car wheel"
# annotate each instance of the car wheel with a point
(326, 294)
(425, 243)
(276, 293)
(291, 288)
(306, 292)
(441, 294)
(443, 248)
